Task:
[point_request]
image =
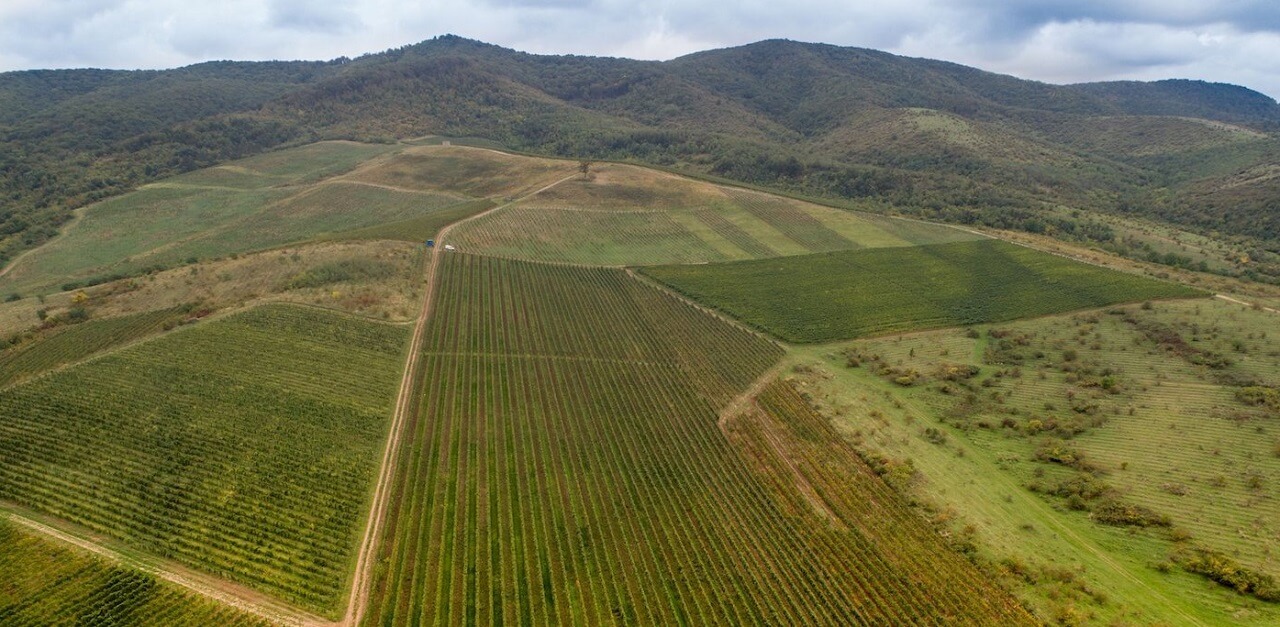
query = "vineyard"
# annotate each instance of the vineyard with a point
(247, 205)
(244, 447)
(565, 466)
(470, 172)
(624, 215)
(849, 294)
(76, 342)
(46, 585)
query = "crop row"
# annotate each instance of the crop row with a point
(565, 466)
(792, 221)
(840, 295)
(73, 343)
(46, 584)
(243, 447)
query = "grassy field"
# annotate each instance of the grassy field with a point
(565, 466)
(46, 584)
(1130, 412)
(269, 276)
(625, 215)
(850, 294)
(244, 447)
(249, 205)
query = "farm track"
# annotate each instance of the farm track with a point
(363, 578)
(256, 603)
(1237, 301)
(78, 216)
(208, 586)
(747, 403)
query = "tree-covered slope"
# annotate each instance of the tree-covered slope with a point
(925, 137)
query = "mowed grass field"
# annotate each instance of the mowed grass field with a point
(246, 206)
(244, 447)
(46, 584)
(1159, 424)
(625, 215)
(565, 466)
(843, 295)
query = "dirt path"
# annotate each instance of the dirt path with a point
(1246, 304)
(220, 590)
(343, 180)
(362, 581)
(77, 217)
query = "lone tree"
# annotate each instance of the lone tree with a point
(584, 167)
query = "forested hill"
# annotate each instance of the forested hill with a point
(925, 137)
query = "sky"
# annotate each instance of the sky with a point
(1058, 41)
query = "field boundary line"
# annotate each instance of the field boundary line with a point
(362, 579)
(223, 591)
(723, 317)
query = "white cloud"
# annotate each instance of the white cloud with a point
(1052, 40)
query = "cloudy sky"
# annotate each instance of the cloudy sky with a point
(1061, 41)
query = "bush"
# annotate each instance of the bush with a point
(1228, 572)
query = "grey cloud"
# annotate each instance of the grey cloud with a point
(313, 17)
(1053, 40)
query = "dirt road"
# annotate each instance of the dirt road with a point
(363, 579)
(220, 590)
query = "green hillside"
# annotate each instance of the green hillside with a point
(933, 139)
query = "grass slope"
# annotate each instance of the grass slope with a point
(48, 584)
(248, 205)
(244, 447)
(1157, 423)
(841, 295)
(565, 467)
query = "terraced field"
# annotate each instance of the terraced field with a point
(244, 447)
(46, 585)
(624, 215)
(565, 466)
(843, 295)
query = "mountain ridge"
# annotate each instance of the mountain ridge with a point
(931, 138)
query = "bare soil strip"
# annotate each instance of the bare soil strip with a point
(362, 582)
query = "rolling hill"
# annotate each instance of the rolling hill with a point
(252, 394)
(915, 136)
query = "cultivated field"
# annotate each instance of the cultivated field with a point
(46, 584)
(76, 342)
(565, 466)
(470, 172)
(850, 294)
(626, 215)
(244, 447)
(274, 200)
(588, 440)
